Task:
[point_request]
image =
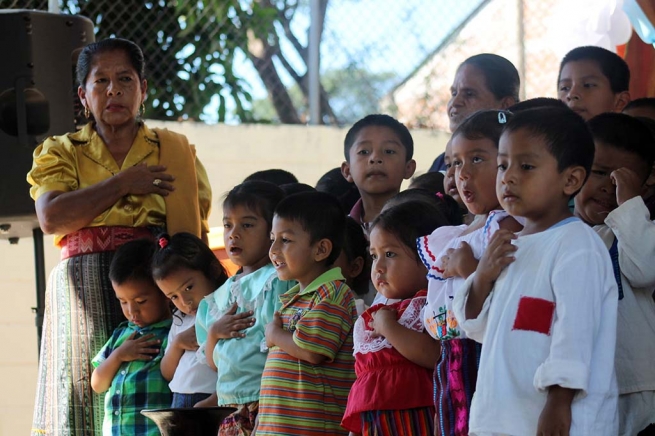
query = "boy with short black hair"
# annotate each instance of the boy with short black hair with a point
(610, 201)
(378, 151)
(593, 80)
(128, 365)
(310, 365)
(549, 328)
(641, 107)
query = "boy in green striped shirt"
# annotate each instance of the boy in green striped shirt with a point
(128, 366)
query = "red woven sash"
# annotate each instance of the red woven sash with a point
(98, 239)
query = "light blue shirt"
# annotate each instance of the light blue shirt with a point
(240, 361)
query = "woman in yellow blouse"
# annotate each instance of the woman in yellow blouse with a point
(95, 189)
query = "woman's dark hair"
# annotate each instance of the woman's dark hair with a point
(486, 124)
(88, 54)
(320, 215)
(501, 76)
(257, 196)
(409, 221)
(355, 245)
(184, 250)
(333, 182)
(132, 261)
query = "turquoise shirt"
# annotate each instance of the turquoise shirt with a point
(240, 361)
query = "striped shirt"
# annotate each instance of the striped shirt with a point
(298, 398)
(136, 386)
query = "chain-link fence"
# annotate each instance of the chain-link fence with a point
(247, 60)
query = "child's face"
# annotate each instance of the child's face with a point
(469, 94)
(529, 184)
(475, 173)
(142, 303)
(449, 184)
(377, 162)
(597, 198)
(293, 254)
(246, 237)
(586, 90)
(186, 288)
(396, 271)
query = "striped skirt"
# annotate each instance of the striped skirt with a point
(81, 311)
(407, 422)
(454, 384)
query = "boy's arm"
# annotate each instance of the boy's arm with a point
(277, 336)
(635, 232)
(584, 309)
(104, 374)
(556, 417)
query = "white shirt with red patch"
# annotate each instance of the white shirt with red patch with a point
(550, 320)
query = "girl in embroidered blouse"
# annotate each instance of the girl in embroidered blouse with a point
(450, 254)
(186, 270)
(394, 357)
(230, 322)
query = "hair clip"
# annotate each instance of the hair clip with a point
(502, 118)
(163, 242)
(440, 196)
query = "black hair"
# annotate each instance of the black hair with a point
(333, 182)
(501, 76)
(295, 188)
(88, 54)
(132, 261)
(380, 120)
(535, 103)
(645, 102)
(185, 250)
(446, 204)
(432, 182)
(319, 214)
(275, 176)
(566, 135)
(256, 195)
(409, 221)
(626, 133)
(485, 124)
(611, 65)
(355, 245)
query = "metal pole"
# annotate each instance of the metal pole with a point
(39, 267)
(314, 63)
(53, 6)
(522, 91)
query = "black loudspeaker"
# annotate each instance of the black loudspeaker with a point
(38, 98)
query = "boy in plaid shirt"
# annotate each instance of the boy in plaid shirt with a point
(128, 364)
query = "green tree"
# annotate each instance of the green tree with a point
(192, 48)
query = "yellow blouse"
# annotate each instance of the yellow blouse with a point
(81, 159)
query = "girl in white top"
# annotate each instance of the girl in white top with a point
(450, 254)
(543, 303)
(186, 270)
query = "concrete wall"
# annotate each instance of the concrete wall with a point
(229, 154)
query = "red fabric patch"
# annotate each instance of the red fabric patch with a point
(534, 314)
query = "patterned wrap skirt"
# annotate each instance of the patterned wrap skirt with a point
(241, 422)
(408, 422)
(81, 312)
(454, 384)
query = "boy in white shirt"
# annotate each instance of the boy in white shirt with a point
(610, 201)
(543, 303)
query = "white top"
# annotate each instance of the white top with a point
(192, 375)
(635, 345)
(550, 320)
(438, 318)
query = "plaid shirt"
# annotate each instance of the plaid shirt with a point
(136, 386)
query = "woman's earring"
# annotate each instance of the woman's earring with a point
(143, 110)
(87, 112)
